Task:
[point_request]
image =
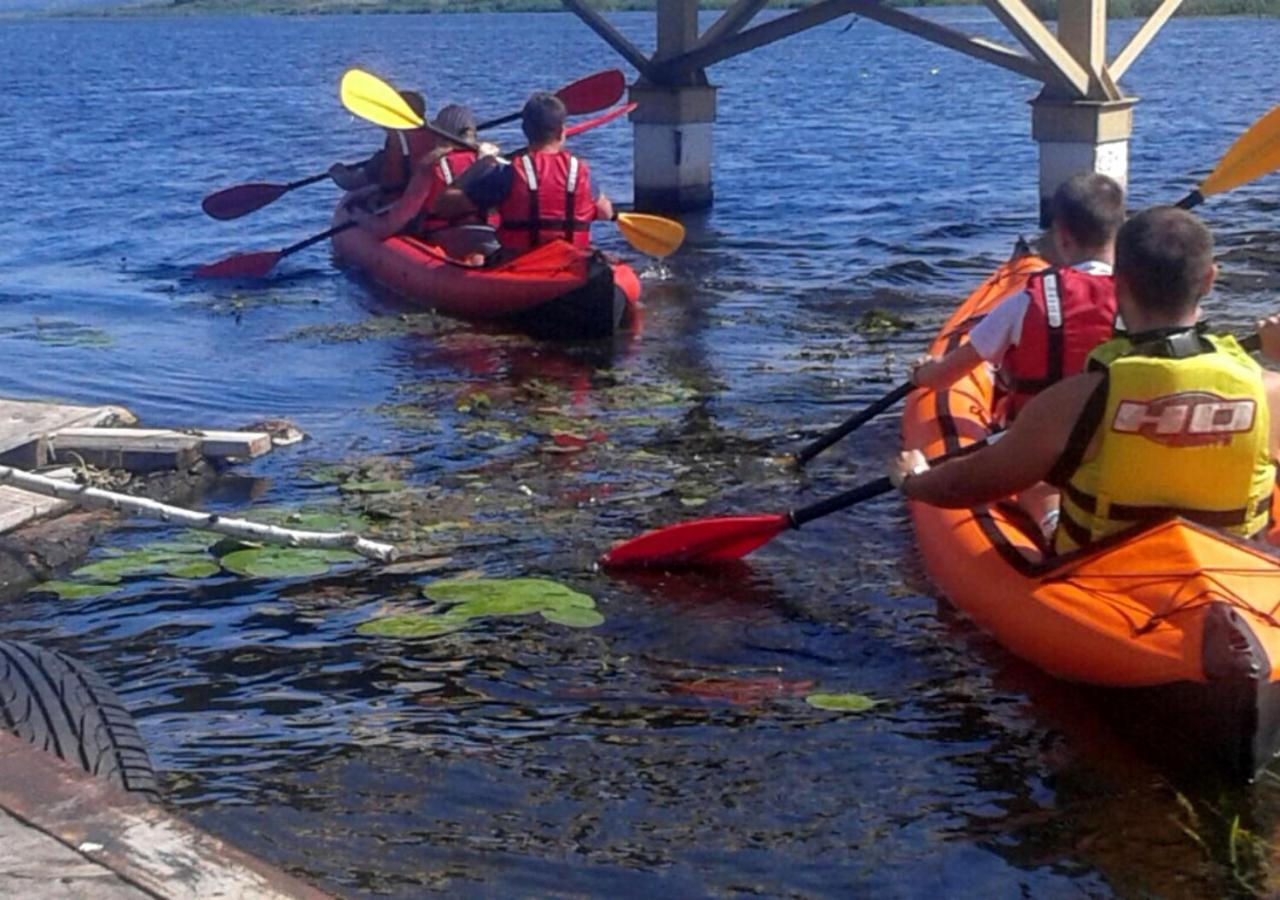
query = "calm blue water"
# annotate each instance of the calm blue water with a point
(669, 750)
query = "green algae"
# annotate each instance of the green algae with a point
(880, 321)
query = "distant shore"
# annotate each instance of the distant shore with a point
(1044, 8)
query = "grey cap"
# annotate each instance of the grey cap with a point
(455, 119)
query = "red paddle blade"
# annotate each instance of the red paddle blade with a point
(234, 202)
(242, 265)
(599, 120)
(699, 542)
(598, 91)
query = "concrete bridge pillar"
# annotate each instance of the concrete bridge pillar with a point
(1080, 136)
(673, 129)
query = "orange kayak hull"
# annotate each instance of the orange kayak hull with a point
(1173, 610)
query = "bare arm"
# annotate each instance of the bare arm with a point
(942, 371)
(1021, 458)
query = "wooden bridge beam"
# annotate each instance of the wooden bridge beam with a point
(705, 54)
(1142, 37)
(610, 35)
(731, 21)
(1062, 69)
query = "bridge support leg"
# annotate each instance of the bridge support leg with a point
(1080, 136)
(673, 147)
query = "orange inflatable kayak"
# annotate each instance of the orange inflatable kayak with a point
(1181, 621)
(555, 290)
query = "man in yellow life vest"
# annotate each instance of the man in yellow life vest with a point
(1165, 420)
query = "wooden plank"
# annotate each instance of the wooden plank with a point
(23, 422)
(213, 444)
(1060, 66)
(1132, 50)
(140, 450)
(731, 21)
(145, 844)
(818, 13)
(610, 35)
(18, 507)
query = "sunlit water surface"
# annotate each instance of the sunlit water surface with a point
(669, 749)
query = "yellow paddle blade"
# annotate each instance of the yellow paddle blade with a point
(652, 235)
(1254, 154)
(369, 97)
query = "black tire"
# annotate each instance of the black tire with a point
(59, 705)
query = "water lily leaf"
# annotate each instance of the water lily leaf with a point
(524, 594)
(196, 568)
(385, 486)
(277, 562)
(73, 590)
(411, 625)
(841, 702)
(115, 568)
(574, 617)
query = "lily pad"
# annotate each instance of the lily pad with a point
(505, 595)
(385, 486)
(73, 590)
(115, 568)
(196, 568)
(574, 617)
(278, 562)
(412, 625)
(841, 702)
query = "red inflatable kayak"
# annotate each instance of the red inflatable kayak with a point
(555, 290)
(1178, 625)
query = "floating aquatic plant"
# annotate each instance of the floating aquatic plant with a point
(482, 598)
(841, 702)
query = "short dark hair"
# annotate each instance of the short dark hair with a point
(1090, 206)
(542, 117)
(1164, 255)
(415, 101)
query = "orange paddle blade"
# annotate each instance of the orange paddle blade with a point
(242, 265)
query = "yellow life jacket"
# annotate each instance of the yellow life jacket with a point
(1185, 431)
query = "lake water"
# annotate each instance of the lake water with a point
(668, 750)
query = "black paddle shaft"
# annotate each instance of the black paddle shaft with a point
(854, 422)
(873, 489)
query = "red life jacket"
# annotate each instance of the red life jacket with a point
(444, 172)
(1070, 313)
(550, 198)
(401, 152)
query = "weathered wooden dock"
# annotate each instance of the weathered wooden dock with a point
(67, 834)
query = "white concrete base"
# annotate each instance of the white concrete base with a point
(1060, 161)
(673, 165)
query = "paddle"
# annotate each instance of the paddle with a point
(723, 538)
(1254, 154)
(257, 265)
(371, 98)
(586, 95)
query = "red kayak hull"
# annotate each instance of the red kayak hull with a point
(555, 290)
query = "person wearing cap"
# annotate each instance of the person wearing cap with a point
(390, 169)
(460, 236)
(543, 194)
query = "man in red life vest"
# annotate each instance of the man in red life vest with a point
(1166, 419)
(389, 170)
(544, 194)
(434, 172)
(1042, 335)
